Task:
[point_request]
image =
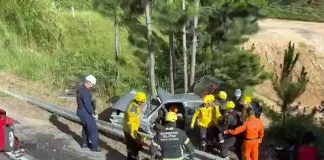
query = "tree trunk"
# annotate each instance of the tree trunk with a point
(184, 50)
(116, 36)
(284, 111)
(150, 47)
(194, 46)
(171, 52)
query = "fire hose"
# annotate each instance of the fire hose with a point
(102, 125)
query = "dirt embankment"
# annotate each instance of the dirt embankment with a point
(270, 43)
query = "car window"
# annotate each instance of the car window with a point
(191, 107)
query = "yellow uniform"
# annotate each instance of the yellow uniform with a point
(132, 119)
(208, 116)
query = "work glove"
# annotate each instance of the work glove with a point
(95, 116)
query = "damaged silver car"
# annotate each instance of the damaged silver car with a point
(155, 109)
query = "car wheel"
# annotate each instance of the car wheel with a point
(9, 140)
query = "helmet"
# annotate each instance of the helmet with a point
(91, 79)
(171, 117)
(208, 99)
(247, 100)
(237, 93)
(222, 95)
(230, 105)
(173, 109)
(212, 97)
(140, 97)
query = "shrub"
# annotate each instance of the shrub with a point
(292, 131)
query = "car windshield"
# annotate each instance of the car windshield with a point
(206, 86)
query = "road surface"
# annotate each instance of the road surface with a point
(4, 157)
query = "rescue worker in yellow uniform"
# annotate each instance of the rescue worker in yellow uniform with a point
(208, 116)
(221, 101)
(169, 141)
(132, 120)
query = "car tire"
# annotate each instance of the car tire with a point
(9, 140)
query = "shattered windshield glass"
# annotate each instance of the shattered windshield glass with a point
(206, 86)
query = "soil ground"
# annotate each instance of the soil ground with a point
(308, 37)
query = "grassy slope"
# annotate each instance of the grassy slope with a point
(298, 10)
(86, 46)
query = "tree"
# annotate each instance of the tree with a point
(194, 44)
(223, 26)
(184, 51)
(286, 87)
(150, 47)
(172, 56)
(117, 6)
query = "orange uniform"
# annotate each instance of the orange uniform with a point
(254, 133)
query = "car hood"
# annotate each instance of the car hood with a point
(123, 102)
(163, 94)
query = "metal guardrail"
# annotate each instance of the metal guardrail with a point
(102, 125)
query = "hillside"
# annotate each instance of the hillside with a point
(270, 43)
(57, 47)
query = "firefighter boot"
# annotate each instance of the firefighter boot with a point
(203, 145)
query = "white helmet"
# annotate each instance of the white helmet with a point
(237, 93)
(91, 79)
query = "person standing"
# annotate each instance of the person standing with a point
(237, 98)
(131, 124)
(254, 133)
(221, 101)
(85, 112)
(231, 121)
(207, 116)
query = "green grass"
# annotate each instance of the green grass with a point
(45, 44)
(299, 10)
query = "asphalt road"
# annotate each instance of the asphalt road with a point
(4, 157)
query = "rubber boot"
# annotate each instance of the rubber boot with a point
(203, 145)
(129, 156)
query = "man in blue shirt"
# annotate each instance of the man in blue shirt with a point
(87, 115)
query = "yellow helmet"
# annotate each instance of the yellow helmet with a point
(140, 97)
(212, 97)
(222, 95)
(208, 98)
(171, 117)
(247, 100)
(230, 105)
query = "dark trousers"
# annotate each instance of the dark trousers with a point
(210, 134)
(233, 141)
(132, 146)
(229, 142)
(238, 145)
(89, 128)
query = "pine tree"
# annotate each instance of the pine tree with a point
(224, 26)
(287, 89)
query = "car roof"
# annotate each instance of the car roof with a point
(165, 96)
(184, 97)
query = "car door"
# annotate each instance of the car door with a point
(191, 108)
